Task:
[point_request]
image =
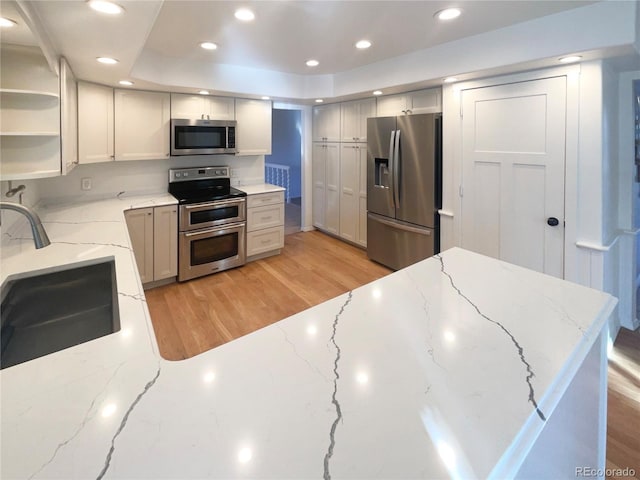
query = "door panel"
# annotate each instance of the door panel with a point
(379, 192)
(397, 244)
(416, 169)
(332, 213)
(513, 156)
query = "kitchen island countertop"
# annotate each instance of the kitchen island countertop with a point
(449, 368)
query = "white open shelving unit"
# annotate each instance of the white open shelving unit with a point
(29, 115)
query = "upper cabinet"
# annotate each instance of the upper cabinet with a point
(95, 123)
(421, 101)
(202, 107)
(326, 123)
(354, 119)
(253, 136)
(141, 125)
(30, 115)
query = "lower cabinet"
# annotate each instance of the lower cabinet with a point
(340, 190)
(353, 193)
(265, 224)
(326, 186)
(154, 238)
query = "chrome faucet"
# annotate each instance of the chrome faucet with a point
(40, 237)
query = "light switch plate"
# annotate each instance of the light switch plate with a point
(86, 183)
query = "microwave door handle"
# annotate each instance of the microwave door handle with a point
(396, 170)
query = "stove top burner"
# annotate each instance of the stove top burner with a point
(203, 184)
(201, 196)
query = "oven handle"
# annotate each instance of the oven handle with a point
(220, 230)
(216, 204)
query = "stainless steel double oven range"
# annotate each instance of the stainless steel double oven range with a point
(211, 221)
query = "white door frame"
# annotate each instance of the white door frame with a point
(450, 218)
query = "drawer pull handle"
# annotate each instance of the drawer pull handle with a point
(264, 242)
(264, 219)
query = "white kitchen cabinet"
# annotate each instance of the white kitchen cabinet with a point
(253, 131)
(354, 119)
(326, 123)
(318, 167)
(353, 193)
(265, 224)
(202, 107)
(30, 115)
(165, 242)
(95, 123)
(154, 238)
(140, 226)
(326, 184)
(420, 101)
(141, 125)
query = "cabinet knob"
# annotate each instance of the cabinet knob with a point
(553, 222)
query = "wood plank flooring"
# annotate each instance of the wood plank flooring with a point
(623, 416)
(196, 316)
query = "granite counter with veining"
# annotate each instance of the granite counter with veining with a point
(447, 369)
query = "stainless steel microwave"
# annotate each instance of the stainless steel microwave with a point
(202, 137)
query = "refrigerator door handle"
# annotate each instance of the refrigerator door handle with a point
(400, 226)
(396, 175)
(392, 142)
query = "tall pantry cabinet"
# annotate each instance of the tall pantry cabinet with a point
(339, 168)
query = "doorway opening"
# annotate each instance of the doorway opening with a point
(284, 166)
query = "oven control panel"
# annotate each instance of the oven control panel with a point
(197, 173)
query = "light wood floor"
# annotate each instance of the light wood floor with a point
(193, 317)
(196, 316)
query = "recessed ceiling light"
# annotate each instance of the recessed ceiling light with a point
(362, 44)
(266, 98)
(204, 92)
(209, 45)
(378, 92)
(7, 22)
(244, 14)
(448, 14)
(569, 59)
(107, 60)
(312, 63)
(128, 83)
(450, 80)
(319, 100)
(103, 6)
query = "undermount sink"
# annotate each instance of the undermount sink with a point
(45, 311)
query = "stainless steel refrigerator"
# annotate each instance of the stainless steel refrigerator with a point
(404, 188)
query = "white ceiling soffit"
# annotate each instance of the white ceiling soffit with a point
(157, 43)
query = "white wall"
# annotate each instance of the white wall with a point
(144, 176)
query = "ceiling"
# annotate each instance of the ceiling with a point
(282, 37)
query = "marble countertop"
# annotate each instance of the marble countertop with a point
(440, 370)
(260, 188)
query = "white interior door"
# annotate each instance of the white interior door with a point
(513, 158)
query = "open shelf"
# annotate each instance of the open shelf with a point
(29, 134)
(35, 93)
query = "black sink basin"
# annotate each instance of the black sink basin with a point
(49, 310)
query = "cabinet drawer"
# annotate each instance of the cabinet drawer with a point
(265, 217)
(265, 199)
(265, 240)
